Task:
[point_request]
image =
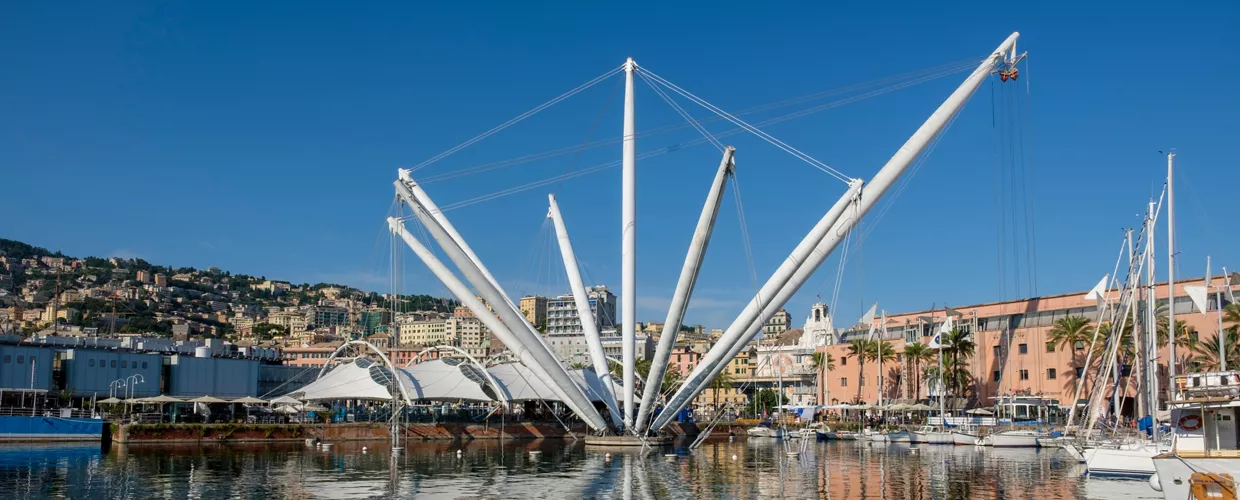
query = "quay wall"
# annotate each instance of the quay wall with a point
(196, 433)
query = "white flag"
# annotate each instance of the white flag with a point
(947, 325)
(934, 342)
(1232, 279)
(1099, 292)
(868, 319)
(1198, 294)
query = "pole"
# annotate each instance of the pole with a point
(1171, 368)
(1222, 337)
(882, 181)
(588, 325)
(1133, 277)
(1151, 323)
(684, 287)
(628, 249)
(531, 352)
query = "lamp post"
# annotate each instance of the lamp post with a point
(130, 382)
(116, 384)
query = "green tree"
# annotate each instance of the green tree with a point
(915, 355)
(957, 348)
(265, 331)
(823, 362)
(859, 349)
(882, 353)
(765, 400)
(720, 383)
(1203, 354)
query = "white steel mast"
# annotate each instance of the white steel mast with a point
(588, 325)
(628, 249)
(575, 398)
(727, 347)
(1170, 277)
(684, 288)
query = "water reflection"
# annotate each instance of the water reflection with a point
(549, 469)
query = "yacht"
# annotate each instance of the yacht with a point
(900, 436)
(965, 435)
(1131, 459)
(1205, 448)
(763, 430)
(929, 434)
(1014, 439)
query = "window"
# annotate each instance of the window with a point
(21, 359)
(996, 375)
(1079, 372)
(114, 363)
(90, 363)
(1079, 345)
(844, 361)
(124, 364)
(843, 381)
(1024, 348)
(1050, 347)
(1024, 374)
(996, 350)
(8, 358)
(144, 365)
(1050, 373)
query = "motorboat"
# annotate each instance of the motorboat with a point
(900, 436)
(825, 433)
(1205, 447)
(965, 435)
(763, 430)
(929, 434)
(875, 436)
(847, 436)
(1014, 439)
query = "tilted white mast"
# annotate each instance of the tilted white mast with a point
(759, 307)
(628, 249)
(684, 288)
(469, 300)
(588, 325)
(425, 200)
(881, 182)
(575, 399)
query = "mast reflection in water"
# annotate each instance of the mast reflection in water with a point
(548, 469)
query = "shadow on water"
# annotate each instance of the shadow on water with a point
(548, 469)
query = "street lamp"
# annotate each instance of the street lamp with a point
(116, 384)
(130, 382)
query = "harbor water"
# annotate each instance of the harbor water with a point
(549, 469)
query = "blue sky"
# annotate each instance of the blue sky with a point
(263, 137)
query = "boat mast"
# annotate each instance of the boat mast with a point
(1218, 298)
(1170, 278)
(1151, 322)
(628, 249)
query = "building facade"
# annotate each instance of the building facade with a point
(534, 308)
(562, 318)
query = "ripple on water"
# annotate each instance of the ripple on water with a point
(485, 469)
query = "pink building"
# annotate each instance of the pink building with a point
(1028, 363)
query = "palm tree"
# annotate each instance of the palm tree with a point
(859, 349)
(722, 382)
(958, 349)
(1203, 354)
(914, 355)
(823, 362)
(882, 353)
(1067, 332)
(1231, 315)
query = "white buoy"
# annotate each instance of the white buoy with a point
(363, 450)
(458, 452)
(733, 458)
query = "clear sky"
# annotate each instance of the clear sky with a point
(262, 137)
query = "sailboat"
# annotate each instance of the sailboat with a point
(929, 434)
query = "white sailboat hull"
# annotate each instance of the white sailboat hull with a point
(899, 437)
(1132, 460)
(963, 438)
(931, 437)
(762, 432)
(1012, 439)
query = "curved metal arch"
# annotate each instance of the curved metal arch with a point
(386, 361)
(494, 383)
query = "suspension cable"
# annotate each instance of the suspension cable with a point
(752, 129)
(918, 77)
(705, 134)
(518, 118)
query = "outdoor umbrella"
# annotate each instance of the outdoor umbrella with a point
(110, 401)
(920, 407)
(980, 411)
(208, 400)
(285, 400)
(250, 400)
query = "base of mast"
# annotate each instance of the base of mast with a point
(627, 441)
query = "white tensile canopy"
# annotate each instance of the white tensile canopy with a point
(348, 381)
(446, 379)
(520, 384)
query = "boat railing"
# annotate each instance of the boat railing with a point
(17, 411)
